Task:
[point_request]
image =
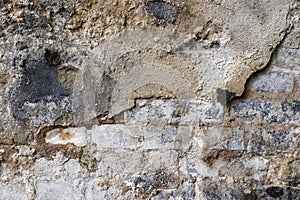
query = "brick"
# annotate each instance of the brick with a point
(269, 112)
(273, 82)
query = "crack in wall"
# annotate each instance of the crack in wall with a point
(266, 67)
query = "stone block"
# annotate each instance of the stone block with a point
(97, 189)
(273, 82)
(223, 138)
(124, 162)
(203, 111)
(7, 192)
(271, 141)
(268, 112)
(288, 58)
(153, 110)
(49, 190)
(184, 111)
(71, 169)
(236, 140)
(76, 136)
(140, 137)
(271, 192)
(186, 192)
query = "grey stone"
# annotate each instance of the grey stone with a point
(93, 191)
(273, 82)
(103, 98)
(163, 11)
(224, 96)
(153, 110)
(269, 112)
(186, 192)
(172, 111)
(49, 190)
(249, 110)
(270, 140)
(278, 192)
(7, 193)
(288, 58)
(236, 141)
(210, 191)
(123, 162)
(146, 182)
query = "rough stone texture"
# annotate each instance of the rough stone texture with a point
(273, 82)
(268, 112)
(156, 99)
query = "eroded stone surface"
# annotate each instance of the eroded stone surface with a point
(75, 136)
(142, 99)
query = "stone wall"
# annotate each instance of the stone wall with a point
(131, 99)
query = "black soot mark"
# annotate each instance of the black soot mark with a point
(39, 82)
(275, 192)
(164, 12)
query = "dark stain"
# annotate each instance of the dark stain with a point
(30, 21)
(215, 192)
(215, 44)
(224, 154)
(164, 12)
(104, 97)
(224, 96)
(21, 46)
(250, 196)
(161, 177)
(278, 192)
(147, 182)
(52, 57)
(39, 82)
(274, 191)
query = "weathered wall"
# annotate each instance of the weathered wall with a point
(150, 99)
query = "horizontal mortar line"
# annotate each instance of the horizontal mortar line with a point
(263, 126)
